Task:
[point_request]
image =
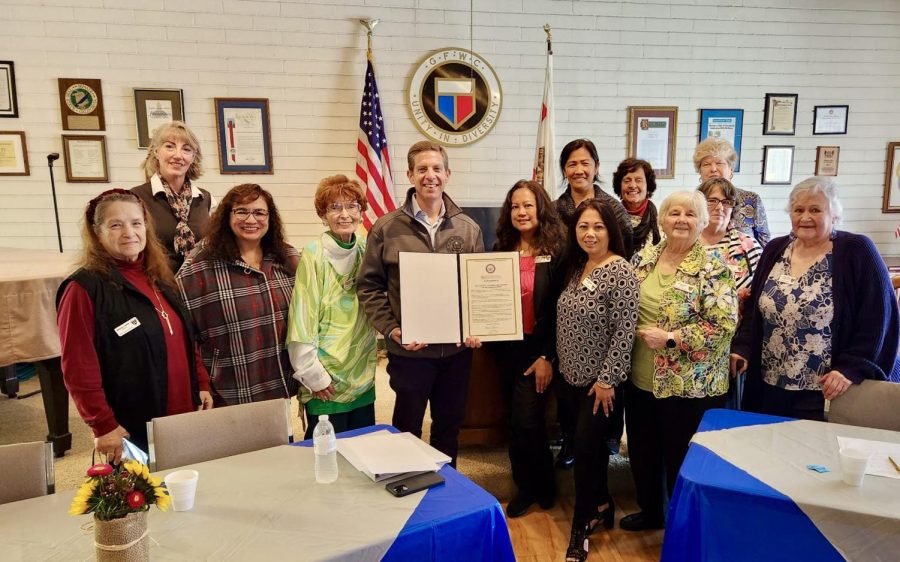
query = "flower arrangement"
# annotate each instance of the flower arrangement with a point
(114, 492)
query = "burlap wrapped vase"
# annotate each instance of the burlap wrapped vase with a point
(122, 540)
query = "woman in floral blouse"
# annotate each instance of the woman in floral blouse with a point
(821, 315)
(596, 317)
(688, 311)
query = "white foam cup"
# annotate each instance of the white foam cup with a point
(182, 486)
(853, 466)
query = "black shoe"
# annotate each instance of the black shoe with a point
(518, 506)
(547, 501)
(607, 517)
(566, 456)
(579, 543)
(637, 522)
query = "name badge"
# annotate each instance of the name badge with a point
(542, 259)
(786, 279)
(129, 325)
(590, 285)
(683, 287)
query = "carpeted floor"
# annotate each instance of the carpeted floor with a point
(22, 420)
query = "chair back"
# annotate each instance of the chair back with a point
(27, 471)
(221, 432)
(869, 404)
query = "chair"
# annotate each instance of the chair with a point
(869, 404)
(27, 471)
(221, 432)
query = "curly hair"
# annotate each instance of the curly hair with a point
(717, 148)
(577, 256)
(550, 235)
(94, 256)
(220, 242)
(337, 188)
(630, 165)
(179, 131)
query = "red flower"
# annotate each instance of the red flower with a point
(100, 470)
(136, 499)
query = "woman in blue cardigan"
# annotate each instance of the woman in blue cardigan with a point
(821, 315)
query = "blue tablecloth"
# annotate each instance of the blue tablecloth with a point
(719, 512)
(455, 521)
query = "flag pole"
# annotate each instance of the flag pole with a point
(549, 38)
(369, 24)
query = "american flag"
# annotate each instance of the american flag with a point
(373, 162)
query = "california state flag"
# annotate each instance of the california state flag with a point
(544, 171)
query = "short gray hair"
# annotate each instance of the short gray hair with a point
(716, 147)
(818, 184)
(693, 200)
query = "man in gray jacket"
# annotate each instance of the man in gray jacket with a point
(428, 221)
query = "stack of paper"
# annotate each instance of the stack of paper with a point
(382, 455)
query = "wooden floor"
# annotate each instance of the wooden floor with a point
(543, 536)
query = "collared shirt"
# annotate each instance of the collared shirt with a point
(156, 184)
(422, 217)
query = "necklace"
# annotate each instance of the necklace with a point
(162, 312)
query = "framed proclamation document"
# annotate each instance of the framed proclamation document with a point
(85, 158)
(245, 138)
(446, 298)
(780, 115)
(154, 107)
(9, 105)
(725, 124)
(651, 137)
(13, 154)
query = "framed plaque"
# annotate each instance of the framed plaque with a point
(725, 124)
(81, 104)
(9, 105)
(154, 107)
(85, 158)
(891, 201)
(778, 165)
(827, 160)
(13, 154)
(780, 115)
(245, 138)
(830, 119)
(651, 137)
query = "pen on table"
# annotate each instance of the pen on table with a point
(894, 462)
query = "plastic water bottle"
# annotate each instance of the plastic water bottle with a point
(325, 445)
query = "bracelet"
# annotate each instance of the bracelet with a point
(603, 385)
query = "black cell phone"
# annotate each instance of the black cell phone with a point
(414, 484)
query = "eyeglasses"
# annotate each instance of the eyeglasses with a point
(336, 208)
(712, 203)
(244, 214)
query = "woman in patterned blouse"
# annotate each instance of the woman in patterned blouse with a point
(237, 284)
(740, 252)
(596, 320)
(688, 311)
(331, 343)
(821, 315)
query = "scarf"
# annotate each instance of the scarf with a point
(180, 203)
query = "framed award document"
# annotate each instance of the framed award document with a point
(778, 165)
(830, 119)
(651, 137)
(9, 105)
(827, 160)
(245, 138)
(725, 124)
(780, 115)
(446, 298)
(81, 104)
(13, 154)
(891, 201)
(85, 158)
(154, 107)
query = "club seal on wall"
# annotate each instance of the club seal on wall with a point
(455, 96)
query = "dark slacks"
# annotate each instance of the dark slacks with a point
(443, 382)
(529, 448)
(364, 416)
(591, 452)
(802, 404)
(659, 432)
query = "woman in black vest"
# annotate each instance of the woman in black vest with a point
(128, 353)
(180, 209)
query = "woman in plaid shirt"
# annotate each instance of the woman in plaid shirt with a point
(237, 284)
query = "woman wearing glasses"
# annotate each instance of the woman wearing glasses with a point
(237, 284)
(332, 345)
(740, 251)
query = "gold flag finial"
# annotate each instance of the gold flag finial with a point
(369, 24)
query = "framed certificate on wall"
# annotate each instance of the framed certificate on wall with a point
(781, 114)
(725, 124)
(154, 107)
(245, 138)
(651, 137)
(85, 158)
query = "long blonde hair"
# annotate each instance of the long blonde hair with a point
(95, 257)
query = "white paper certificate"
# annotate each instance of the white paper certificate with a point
(244, 136)
(653, 141)
(159, 113)
(429, 298)
(445, 298)
(86, 159)
(491, 296)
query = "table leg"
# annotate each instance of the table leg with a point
(56, 404)
(9, 383)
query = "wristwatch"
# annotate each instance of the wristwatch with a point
(670, 342)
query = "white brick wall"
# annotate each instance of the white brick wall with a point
(308, 58)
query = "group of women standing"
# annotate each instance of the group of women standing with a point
(658, 334)
(245, 318)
